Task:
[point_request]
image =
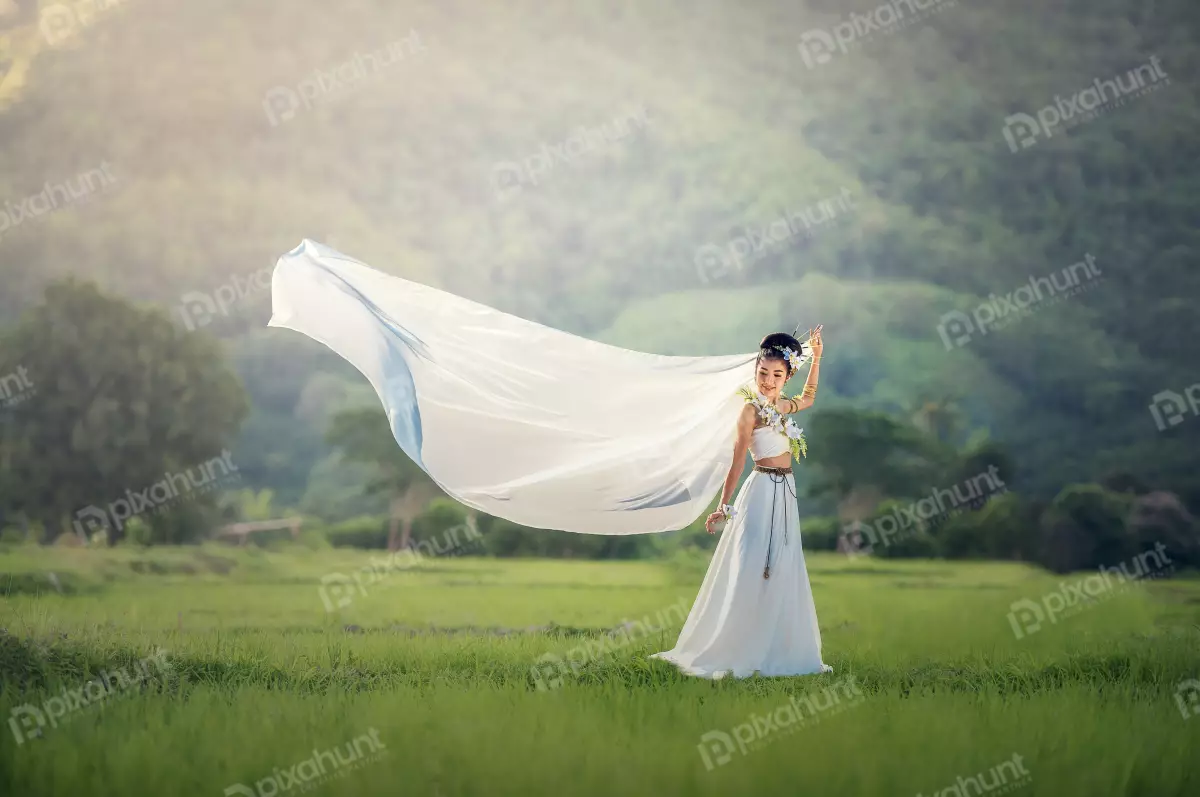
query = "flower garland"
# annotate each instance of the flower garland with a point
(775, 420)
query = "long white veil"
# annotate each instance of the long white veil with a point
(518, 420)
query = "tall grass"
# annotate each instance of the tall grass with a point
(446, 663)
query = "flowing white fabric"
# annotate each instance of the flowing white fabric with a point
(518, 420)
(741, 623)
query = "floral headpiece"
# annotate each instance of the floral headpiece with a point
(794, 359)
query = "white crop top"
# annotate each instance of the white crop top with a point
(766, 442)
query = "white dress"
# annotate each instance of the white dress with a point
(741, 622)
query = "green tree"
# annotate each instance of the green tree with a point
(122, 400)
(1085, 527)
(871, 450)
(364, 436)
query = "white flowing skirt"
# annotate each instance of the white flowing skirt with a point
(742, 623)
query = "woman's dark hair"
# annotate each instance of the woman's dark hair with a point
(772, 347)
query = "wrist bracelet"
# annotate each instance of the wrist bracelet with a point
(727, 510)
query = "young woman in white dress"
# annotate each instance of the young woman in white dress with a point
(552, 444)
(755, 612)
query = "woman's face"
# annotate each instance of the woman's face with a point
(772, 374)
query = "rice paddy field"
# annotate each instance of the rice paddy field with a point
(218, 671)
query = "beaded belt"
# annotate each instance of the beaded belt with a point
(775, 471)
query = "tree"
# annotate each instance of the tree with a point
(126, 415)
(872, 452)
(940, 416)
(1160, 517)
(363, 435)
(1085, 527)
(248, 504)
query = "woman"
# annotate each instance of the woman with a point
(755, 611)
(552, 431)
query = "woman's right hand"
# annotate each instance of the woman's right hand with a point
(815, 344)
(713, 518)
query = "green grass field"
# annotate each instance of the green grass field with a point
(436, 680)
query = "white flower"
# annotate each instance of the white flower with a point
(793, 431)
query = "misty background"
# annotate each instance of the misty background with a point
(999, 289)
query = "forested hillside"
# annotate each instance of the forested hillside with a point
(678, 177)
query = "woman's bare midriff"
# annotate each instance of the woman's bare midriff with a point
(781, 461)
